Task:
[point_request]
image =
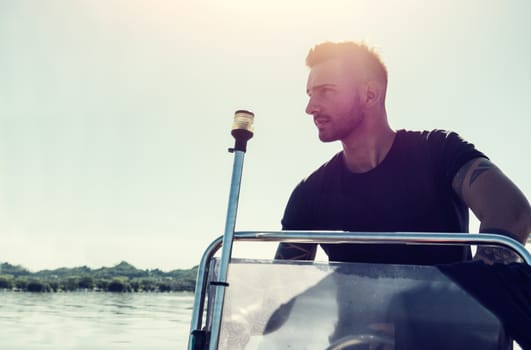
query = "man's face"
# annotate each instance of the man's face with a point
(334, 100)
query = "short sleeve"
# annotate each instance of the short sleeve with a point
(451, 151)
(297, 212)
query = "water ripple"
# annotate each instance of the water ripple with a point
(94, 320)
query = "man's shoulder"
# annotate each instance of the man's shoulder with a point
(427, 135)
(435, 139)
(445, 149)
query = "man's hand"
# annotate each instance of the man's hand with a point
(296, 251)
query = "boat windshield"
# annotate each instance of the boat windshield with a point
(297, 305)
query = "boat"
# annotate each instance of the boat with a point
(267, 304)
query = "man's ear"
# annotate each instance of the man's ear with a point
(374, 93)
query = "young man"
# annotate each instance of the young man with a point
(392, 181)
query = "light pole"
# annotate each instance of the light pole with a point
(242, 131)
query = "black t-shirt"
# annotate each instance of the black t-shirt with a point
(409, 191)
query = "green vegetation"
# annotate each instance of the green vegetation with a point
(123, 277)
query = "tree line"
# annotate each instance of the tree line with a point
(122, 277)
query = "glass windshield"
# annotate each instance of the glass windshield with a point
(351, 306)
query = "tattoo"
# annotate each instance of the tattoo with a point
(299, 251)
(496, 255)
(493, 255)
(482, 167)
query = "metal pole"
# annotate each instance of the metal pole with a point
(242, 131)
(197, 337)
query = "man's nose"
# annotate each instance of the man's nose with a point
(312, 107)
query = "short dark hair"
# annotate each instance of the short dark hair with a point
(350, 51)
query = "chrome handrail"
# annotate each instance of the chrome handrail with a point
(420, 238)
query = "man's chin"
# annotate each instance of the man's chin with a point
(327, 138)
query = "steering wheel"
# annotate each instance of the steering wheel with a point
(360, 341)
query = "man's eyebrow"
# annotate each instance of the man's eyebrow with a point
(319, 87)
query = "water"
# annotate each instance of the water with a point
(95, 321)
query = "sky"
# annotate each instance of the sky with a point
(115, 115)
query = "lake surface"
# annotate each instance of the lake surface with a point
(96, 321)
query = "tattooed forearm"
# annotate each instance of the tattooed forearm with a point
(480, 168)
(300, 251)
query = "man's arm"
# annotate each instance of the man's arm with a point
(296, 251)
(498, 204)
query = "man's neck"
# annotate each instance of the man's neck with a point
(368, 147)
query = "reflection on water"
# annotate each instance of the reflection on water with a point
(96, 321)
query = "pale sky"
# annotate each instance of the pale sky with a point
(115, 115)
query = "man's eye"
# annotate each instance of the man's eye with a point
(327, 92)
(324, 91)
